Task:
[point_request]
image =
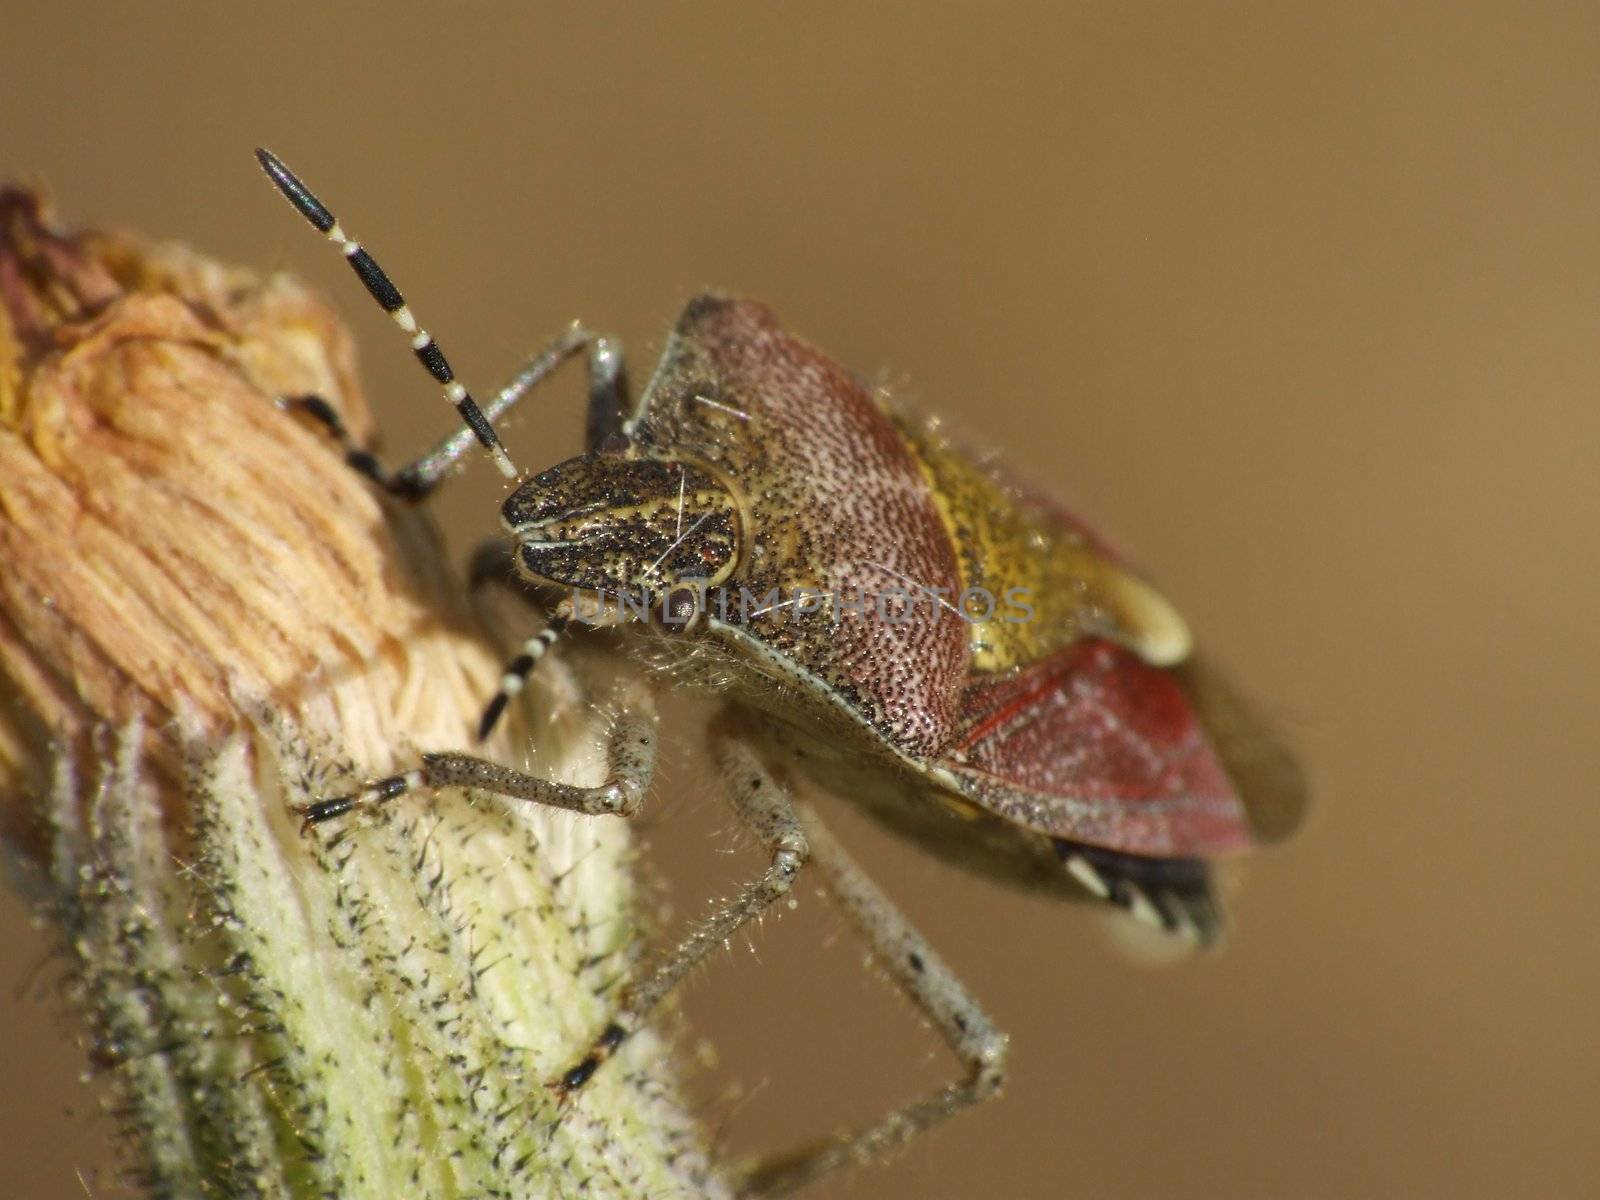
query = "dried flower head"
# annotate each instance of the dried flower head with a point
(205, 618)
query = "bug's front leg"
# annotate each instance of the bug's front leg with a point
(765, 808)
(630, 759)
(416, 480)
(933, 987)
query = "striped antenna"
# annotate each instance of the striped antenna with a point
(392, 302)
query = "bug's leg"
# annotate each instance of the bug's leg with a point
(932, 987)
(416, 480)
(608, 394)
(607, 391)
(765, 808)
(357, 458)
(630, 764)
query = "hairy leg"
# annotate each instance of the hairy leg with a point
(933, 987)
(630, 758)
(764, 806)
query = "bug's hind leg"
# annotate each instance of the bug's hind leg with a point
(931, 985)
(764, 806)
(416, 480)
(630, 765)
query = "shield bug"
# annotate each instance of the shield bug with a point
(878, 611)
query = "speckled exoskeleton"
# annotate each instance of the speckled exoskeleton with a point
(907, 628)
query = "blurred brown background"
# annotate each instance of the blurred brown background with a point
(1300, 302)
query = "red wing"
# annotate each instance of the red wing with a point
(1095, 745)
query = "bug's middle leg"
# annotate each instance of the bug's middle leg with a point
(764, 806)
(933, 987)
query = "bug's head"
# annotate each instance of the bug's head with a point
(606, 523)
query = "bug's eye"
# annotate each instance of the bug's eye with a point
(604, 522)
